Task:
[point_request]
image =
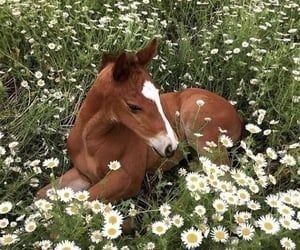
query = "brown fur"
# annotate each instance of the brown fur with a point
(105, 130)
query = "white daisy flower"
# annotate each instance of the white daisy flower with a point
(38, 74)
(287, 243)
(271, 153)
(219, 234)
(51, 163)
(72, 209)
(191, 238)
(111, 231)
(289, 223)
(177, 221)
(30, 226)
(3, 223)
(226, 141)
(286, 211)
(246, 231)
(96, 206)
(165, 210)
(8, 239)
(96, 236)
(5, 207)
(66, 245)
(82, 195)
(51, 45)
(273, 200)
(214, 51)
(253, 205)
(66, 194)
(220, 206)
(253, 129)
(113, 218)
(288, 160)
(200, 102)
(200, 210)
(114, 165)
(268, 224)
(159, 228)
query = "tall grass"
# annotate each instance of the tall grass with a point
(247, 51)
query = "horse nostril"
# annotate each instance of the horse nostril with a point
(169, 152)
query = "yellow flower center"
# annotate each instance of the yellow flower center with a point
(112, 220)
(159, 229)
(111, 231)
(246, 231)
(220, 235)
(268, 226)
(192, 238)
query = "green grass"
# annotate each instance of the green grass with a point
(255, 40)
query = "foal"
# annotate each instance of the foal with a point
(123, 118)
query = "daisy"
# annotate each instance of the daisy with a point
(82, 195)
(30, 226)
(271, 153)
(268, 224)
(113, 218)
(96, 236)
(241, 217)
(114, 165)
(219, 234)
(253, 205)
(3, 223)
(192, 177)
(66, 194)
(191, 238)
(253, 129)
(226, 141)
(246, 231)
(96, 206)
(220, 206)
(159, 228)
(51, 163)
(8, 239)
(230, 198)
(111, 231)
(5, 207)
(45, 244)
(289, 223)
(177, 221)
(287, 243)
(273, 200)
(150, 246)
(67, 245)
(200, 210)
(286, 211)
(243, 195)
(200, 102)
(72, 209)
(38, 74)
(288, 160)
(165, 210)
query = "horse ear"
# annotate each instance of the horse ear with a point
(121, 68)
(106, 58)
(146, 54)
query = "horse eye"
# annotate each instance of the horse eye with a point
(133, 108)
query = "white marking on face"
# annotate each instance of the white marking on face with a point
(152, 93)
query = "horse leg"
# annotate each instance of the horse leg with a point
(116, 185)
(72, 178)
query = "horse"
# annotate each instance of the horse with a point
(124, 118)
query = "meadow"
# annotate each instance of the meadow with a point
(247, 51)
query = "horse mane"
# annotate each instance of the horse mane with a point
(112, 57)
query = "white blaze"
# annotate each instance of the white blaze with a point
(152, 93)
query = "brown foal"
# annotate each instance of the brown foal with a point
(124, 118)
